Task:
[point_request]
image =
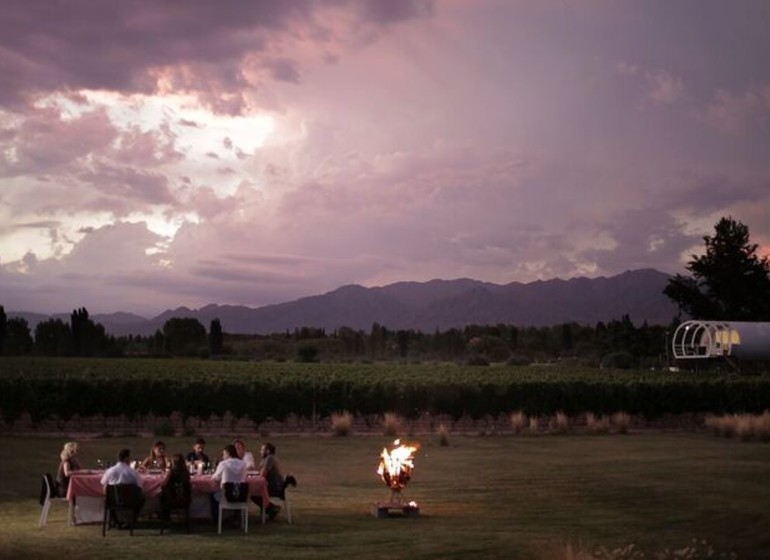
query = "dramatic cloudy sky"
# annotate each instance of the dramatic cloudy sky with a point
(157, 154)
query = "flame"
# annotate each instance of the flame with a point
(397, 464)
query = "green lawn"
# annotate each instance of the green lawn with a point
(483, 497)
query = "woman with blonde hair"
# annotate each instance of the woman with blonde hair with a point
(67, 464)
(157, 458)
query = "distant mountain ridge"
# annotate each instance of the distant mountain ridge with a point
(427, 306)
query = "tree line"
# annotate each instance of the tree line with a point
(83, 337)
(730, 281)
(617, 343)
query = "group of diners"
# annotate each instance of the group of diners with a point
(235, 463)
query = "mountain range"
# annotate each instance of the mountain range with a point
(427, 306)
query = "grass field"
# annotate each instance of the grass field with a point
(536, 497)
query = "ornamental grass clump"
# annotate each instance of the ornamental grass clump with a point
(342, 423)
(443, 435)
(518, 421)
(744, 426)
(534, 424)
(762, 426)
(391, 424)
(622, 422)
(560, 423)
(721, 425)
(597, 425)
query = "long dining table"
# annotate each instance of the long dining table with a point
(86, 494)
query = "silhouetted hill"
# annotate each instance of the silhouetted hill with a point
(437, 304)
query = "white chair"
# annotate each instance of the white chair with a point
(284, 497)
(46, 497)
(235, 495)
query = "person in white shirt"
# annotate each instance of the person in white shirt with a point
(230, 469)
(122, 473)
(246, 456)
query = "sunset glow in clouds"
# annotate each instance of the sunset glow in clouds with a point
(162, 154)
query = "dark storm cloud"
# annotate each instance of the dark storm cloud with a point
(711, 193)
(51, 45)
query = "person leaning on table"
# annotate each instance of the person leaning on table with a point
(197, 453)
(67, 464)
(229, 469)
(157, 458)
(122, 473)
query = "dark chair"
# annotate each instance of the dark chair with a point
(176, 496)
(235, 495)
(122, 503)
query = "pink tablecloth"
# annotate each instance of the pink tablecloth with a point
(91, 485)
(87, 486)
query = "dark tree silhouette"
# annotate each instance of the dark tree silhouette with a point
(88, 338)
(3, 328)
(729, 282)
(19, 338)
(53, 338)
(216, 337)
(184, 336)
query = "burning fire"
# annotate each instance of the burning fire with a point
(397, 464)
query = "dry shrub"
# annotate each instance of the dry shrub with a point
(597, 425)
(518, 421)
(342, 423)
(621, 421)
(391, 424)
(443, 435)
(560, 423)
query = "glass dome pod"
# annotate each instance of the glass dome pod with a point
(695, 340)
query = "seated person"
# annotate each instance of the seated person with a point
(271, 471)
(245, 456)
(230, 469)
(175, 491)
(122, 473)
(157, 458)
(67, 464)
(197, 453)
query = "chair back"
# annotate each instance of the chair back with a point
(290, 480)
(123, 495)
(47, 488)
(177, 494)
(236, 491)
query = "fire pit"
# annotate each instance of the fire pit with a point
(395, 470)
